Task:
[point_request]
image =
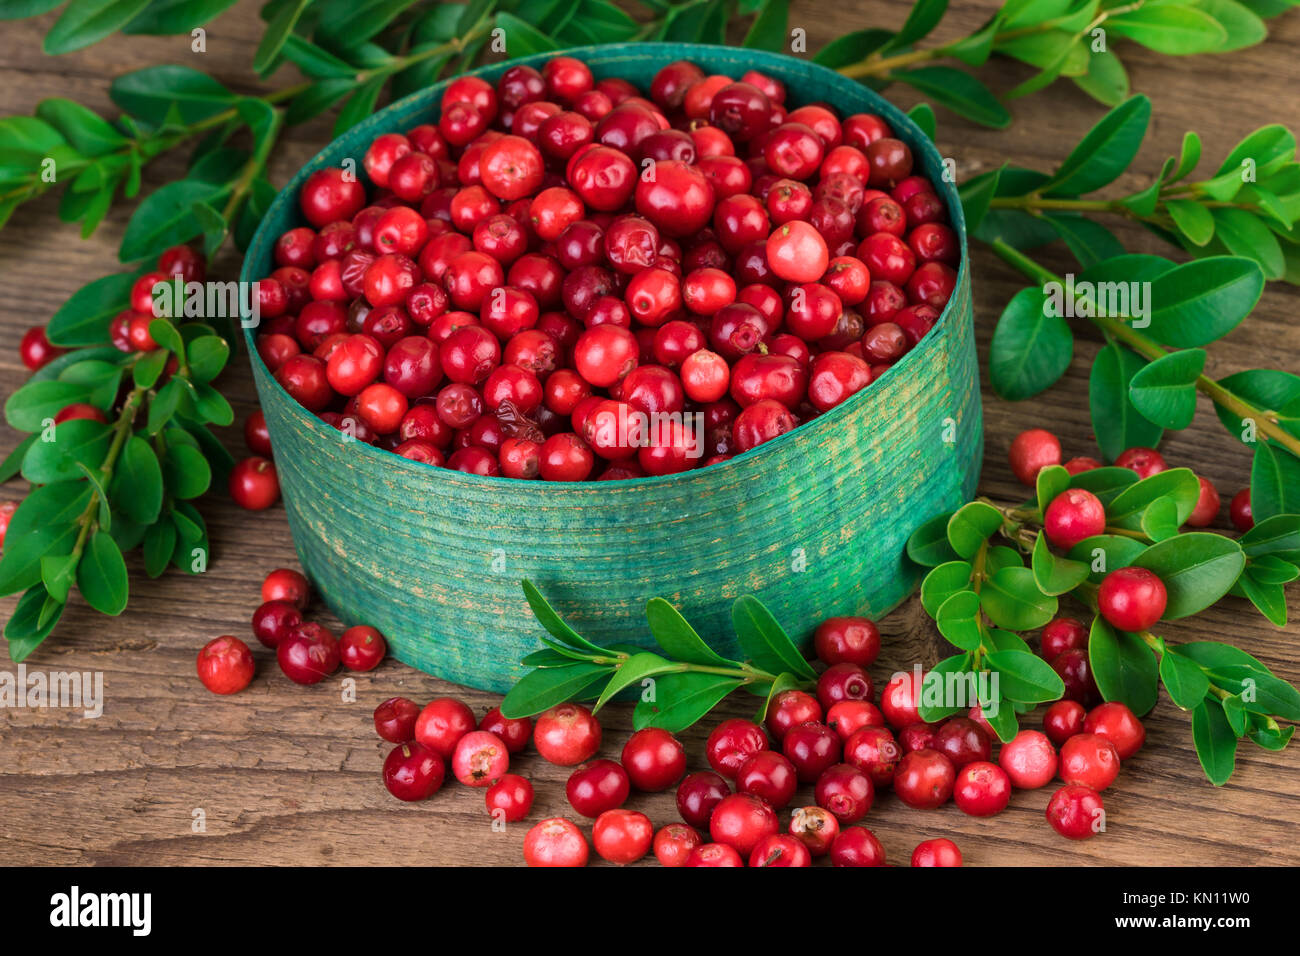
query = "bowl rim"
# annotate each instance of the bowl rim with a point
(903, 125)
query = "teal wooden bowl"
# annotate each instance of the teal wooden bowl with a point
(813, 523)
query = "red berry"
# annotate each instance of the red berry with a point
(899, 699)
(1115, 722)
(1132, 599)
(441, 725)
(790, 708)
(714, 854)
(225, 665)
(256, 435)
(982, 789)
(514, 733)
(479, 758)
(811, 747)
(843, 682)
(1072, 516)
(740, 821)
(412, 772)
(285, 584)
(1063, 634)
(596, 787)
(555, 842)
(849, 716)
(769, 775)
(567, 735)
(1063, 720)
(1076, 812)
(274, 620)
(254, 484)
(674, 844)
(924, 779)
(847, 640)
(654, 759)
(963, 741)
(857, 846)
(780, 849)
(1075, 670)
(361, 648)
(1207, 506)
(35, 349)
(845, 791)
(875, 752)
(732, 743)
(329, 195)
(698, 794)
(1089, 759)
(1243, 519)
(1029, 760)
(816, 828)
(395, 719)
(796, 252)
(938, 852)
(1031, 452)
(1145, 461)
(510, 797)
(622, 836)
(308, 654)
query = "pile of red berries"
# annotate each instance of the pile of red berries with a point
(558, 256)
(1037, 448)
(306, 651)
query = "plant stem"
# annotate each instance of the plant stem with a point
(121, 431)
(1266, 422)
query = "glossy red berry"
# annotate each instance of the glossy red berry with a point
(791, 708)
(769, 775)
(1063, 634)
(731, 743)
(225, 665)
(1031, 452)
(413, 772)
(596, 787)
(1089, 759)
(847, 640)
(1132, 599)
(286, 584)
(1072, 516)
(514, 732)
(1076, 812)
(395, 719)
(857, 846)
(924, 779)
(714, 854)
(1063, 720)
(480, 757)
(963, 741)
(741, 820)
(982, 789)
(1243, 519)
(509, 798)
(308, 654)
(361, 648)
(1029, 760)
(900, 698)
(845, 791)
(254, 484)
(849, 716)
(567, 734)
(780, 849)
(273, 620)
(622, 836)
(555, 842)
(698, 794)
(812, 747)
(1145, 461)
(674, 843)
(1207, 506)
(441, 725)
(843, 682)
(796, 252)
(940, 852)
(816, 828)
(875, 752)
(1115, 722)
(35, 349)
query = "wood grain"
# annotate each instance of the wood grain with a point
(290, 775)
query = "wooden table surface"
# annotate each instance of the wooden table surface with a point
(290, 775)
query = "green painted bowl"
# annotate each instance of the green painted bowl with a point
(813, 523)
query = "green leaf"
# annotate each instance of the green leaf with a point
(1031, 349)
(169, 17)
(77, 441)
(554, 624)
(39, 401)
(1176, 31)
(1106, 80)
(57, 574)
(1243, 26)
(1267, 596)
(88, 21)
(1272, 739)
(1179, 484)
(678, 639)
(932, 712)
(541, 690)
(763, 640)
(1274, 482)
(32, 621)
(958, 91)
(1189, 155)
(311, 59)
(1012, 600)
(1278, 536)
(1215, 655)
(1104, 553)
(1051, 481)
(1193, 220)
(976, 195)
(1089, 241)
(101, 575)
(102, 378)
(149, 367)
(1272, 570)
(1105, 151)
(83, 319)
(1203, 300)
(1160, 520)
(1116, 423)
(163, 406)
(160, 545)
(207, 356)
(923, 116)
(164, 218)
(88, 133)
(1184, 680)
(1277, 391)
(634, 670)
(1268, 149)
(186, 473)
(959, 620)
(976, 48)
(1165, 390)
(1197, 569)
(352, 22)
(359, 105)
(1242, 234)
(943, 582)
(1055, 575)
(150, 94)
(972, 525)
(22, 9)
(681, 700)
(1003, 720)
(1216, 745)
(852, 47)
(14, 460)
(928, 545)
(521, 38)
(1105, 482)
(768, 31)
(1262, 692)
(1026, 677)
(1123, 667)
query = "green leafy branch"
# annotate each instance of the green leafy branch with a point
(1248, 208)
(676, 687)
(981, 593)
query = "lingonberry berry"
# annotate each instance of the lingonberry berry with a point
(412, 772)
(273, 620)
(674, 843)
(899, 699)
(479, 758)
(1063, 634)
(256, 435)
(1074, 669)
(566, 735)
(939, 852)
(395, 719)
(741, 820)
(1089, 759)
(698, 794)
(1207, 506)
(1132, 599)
(982, 789)
(924, 779)
(1076, 812)
(1063, 720)
(780, 849)
(308, 654)
(847, 640)
(35, 349)
(847, 717)
(225, 665)
(1239, 511)
(622, 836)
(253, 484)
(1081, 463)
(857, 846)
(361, 648)
(1031, 452)
(769, 775)
(1029, 760)
(286, 584)
(796, 252)
(714, 854)
(788, 709)
(811, 747)
(514, 733)
(1073, 515)
(1145, 461)
(1116, 723)
(917, 736)
(441, 725)
(331, 194)
(732, 742)
(963, 741)
(509, 798)
(605, 354)
(845, 791)
(816, 828)
(596, 787)
(843, 682)
(555, 842)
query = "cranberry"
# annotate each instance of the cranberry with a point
(924, 779)
(733, 741)
(847, 640)
(940, 852)
(225, 665)
(361, 648)
(674, 844)
(816, 828)
(857, 846)
(769, 775)
(741, 820)
(254, 484)
(698, 794)
(1072, 516)
(1029, 760)
(514, 733)
(1239, 511)
(841, 682)
(759, 423)
(555, 842)
(596, 787)
(273, 621)
(963, 741)
(982, 789)
(441, 725)
(1076, 812)
(678, 199)
(845, 791)
(889, 160)
(790, 708)
(1063, 634)
(510, 797)
(308, 654)
(797, 252)
(412, 772)
(329, 195)
(480, 758)
(567, 735)
(1207, 506)
(35, 349)
(899, 699)
(1116, 723)
(622, 836)
(605, 354)
(1145, 461)
(395, 719)
(1031, 452)
(1081, 464)
(847, 717)
(565, 457)
(741, 110)
(1063, 720)
(714, 854)
(1073, 668)
(811, 747)
(1132, 599)
(303, 377)
(917, 736)
(780, 849)
(1090, 760)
